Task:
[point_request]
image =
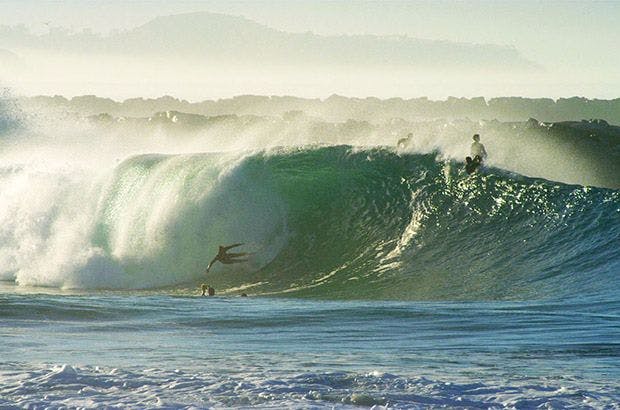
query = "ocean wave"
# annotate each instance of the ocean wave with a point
(327, 221)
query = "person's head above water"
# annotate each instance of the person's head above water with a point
(476, 137)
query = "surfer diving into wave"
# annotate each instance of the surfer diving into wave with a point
(228, 258)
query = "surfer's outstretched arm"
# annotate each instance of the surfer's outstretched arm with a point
(234, 245)
(211, 264)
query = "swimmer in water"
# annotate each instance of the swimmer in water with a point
(207, 290)
(228, 258)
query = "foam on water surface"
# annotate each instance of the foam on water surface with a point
(160, 351)
(95, 387)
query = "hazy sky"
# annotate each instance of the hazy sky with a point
(576, 39)
(563, 29)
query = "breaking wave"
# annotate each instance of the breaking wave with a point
(322, 221)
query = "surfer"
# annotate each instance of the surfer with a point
(404, 142)
(228, 258)
(478, 152)
(477, 149)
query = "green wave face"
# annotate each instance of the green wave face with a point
(372, 224)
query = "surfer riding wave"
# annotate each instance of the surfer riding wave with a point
(479, 154)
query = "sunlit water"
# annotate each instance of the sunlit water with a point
(160, 351)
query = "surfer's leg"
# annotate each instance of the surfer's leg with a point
(236, 255)
(229, 261)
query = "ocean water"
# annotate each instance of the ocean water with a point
(378, 278)
(155, 350)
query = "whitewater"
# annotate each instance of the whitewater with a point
(379, 277)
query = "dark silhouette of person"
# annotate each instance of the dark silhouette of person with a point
(471, 165)
(206, 289)
(228, 258)
(404, 142)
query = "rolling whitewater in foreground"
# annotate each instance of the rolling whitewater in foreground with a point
(378, 277)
